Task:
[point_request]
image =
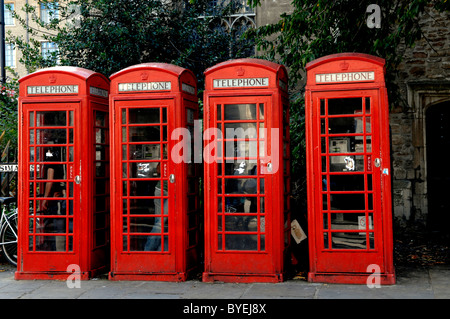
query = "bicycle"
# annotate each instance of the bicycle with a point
(8, 229)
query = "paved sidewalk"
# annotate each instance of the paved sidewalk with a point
(412, 283)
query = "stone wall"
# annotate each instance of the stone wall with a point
(424, 79)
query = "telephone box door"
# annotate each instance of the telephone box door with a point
(348, 147)
(146, 180)
(52, 154)
(241, 236)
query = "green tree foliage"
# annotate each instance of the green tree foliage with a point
(8, 116)
(109, 35)
(316, 28)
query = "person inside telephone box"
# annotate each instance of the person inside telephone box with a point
(147, 201)
(52, 187)
(242, 206)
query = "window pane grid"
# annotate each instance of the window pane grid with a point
(347, 193)
(145, 215)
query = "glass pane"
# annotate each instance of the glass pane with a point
(51, 225)
(31, 153)
(51, 207)
(347, 221)
(145, 206)
(347, 163)
(100, 118)
(219, 112)
(144, 225)
(241, 205)
(240, 186)
(143, 151)
(359, 125)
(341, 125)
(101, 152)
(101, 135)
(143, 115)
(50, 243)
(124, 116)
(240, 112)
(31, 119)
(241, 223)
(147, 243)
(51, 136)
(241, 148)
(51, 118)
(325, 240)
(367, 105)
(344, 106)
(145, 188)
(189, 116)
(100, 169)
(241, 242)
(346, 182)
(240, 130)
(241, 167)
(347, 202)
(325, 221)
(145, 170)
(31, 137)
(144, 134)
(261, 111)
(51, 154)
(348, 240)
(52, 172)
(164, 119)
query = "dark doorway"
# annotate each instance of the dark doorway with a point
(438, 166)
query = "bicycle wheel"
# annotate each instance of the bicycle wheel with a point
(9, 238)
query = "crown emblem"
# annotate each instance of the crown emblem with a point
(240, 71)
(144, 76)
(52, 78)
(344, 65)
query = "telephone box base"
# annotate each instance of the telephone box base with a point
(172, 277)
(57, 275)
(357, 278)
(241, 278)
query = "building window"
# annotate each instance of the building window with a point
(9, 8)
(47, 48)
(243, 18)
(49, 11)
(10, 55)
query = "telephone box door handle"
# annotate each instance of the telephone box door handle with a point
(77, 179)
(172, 178)
(377, 162)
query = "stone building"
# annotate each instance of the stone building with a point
(420, 130)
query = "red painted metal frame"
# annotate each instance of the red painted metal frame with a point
(182, 256)
(328, 263)
(267, 262)
(81, 248)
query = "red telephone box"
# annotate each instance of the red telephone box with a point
(63, 174)
(246, 169)
(155, 207)
(348, 169)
